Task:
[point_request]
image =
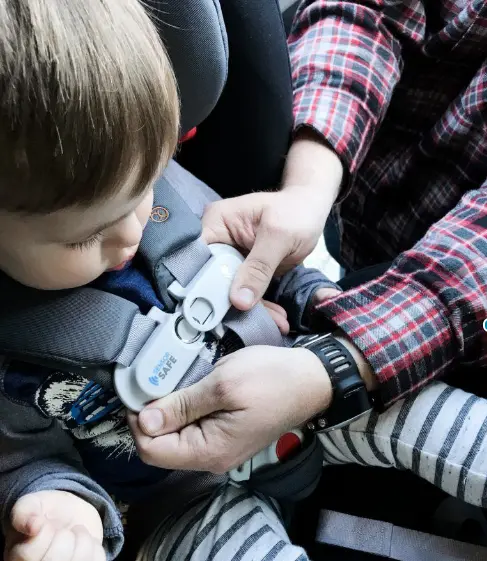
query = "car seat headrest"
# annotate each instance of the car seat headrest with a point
(195, 36)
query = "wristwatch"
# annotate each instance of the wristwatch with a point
(351, 400)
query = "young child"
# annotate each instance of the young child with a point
(89, 119)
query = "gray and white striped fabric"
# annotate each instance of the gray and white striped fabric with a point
(439, 434)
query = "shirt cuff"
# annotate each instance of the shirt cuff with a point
(294, 291)
(402, 331)
(344, 123)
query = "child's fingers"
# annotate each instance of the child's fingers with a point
(85, 544)
(273, 306)
(279, 316)
(324, 294)
(27, 517)
(99, 554)
(33, 549)
(62, 547)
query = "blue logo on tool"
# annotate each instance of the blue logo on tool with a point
(163, 367)
(154, 380)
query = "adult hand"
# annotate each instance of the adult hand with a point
(279, 230)
(247, 402)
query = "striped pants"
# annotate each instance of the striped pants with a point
(439, 434)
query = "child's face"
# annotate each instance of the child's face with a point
(72, 247)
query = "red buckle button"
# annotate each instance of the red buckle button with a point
(287, 445)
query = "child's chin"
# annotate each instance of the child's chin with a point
(54, 283)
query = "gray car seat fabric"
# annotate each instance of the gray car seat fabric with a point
(195, 37)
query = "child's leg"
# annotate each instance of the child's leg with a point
(230, 525)
(439, 434)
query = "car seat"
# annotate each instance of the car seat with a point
(233, 72)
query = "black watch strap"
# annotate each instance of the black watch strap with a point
(351, 399)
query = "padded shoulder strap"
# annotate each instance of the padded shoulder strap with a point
(82, 328)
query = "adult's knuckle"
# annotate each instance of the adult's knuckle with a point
(273, 228)
(208, 461)
(225, 388)
(182, 407)
(259, 270)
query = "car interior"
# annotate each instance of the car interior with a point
(230, 67)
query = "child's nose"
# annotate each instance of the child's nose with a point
(127, 233)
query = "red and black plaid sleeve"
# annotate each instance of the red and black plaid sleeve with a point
(425, 314)
(346, 60)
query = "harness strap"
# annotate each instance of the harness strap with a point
(185, 262)
(255, 327)
(392, 542)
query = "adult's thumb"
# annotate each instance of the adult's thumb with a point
(27, 517)
(256, 272)
(181, 408)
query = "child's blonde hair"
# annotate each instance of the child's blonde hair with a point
(87, 98)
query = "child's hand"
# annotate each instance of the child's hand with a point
(54, 525)
(324, 294)
(279, 315)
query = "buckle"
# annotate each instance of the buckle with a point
(179, 338)
(206, 299)
(278, 452)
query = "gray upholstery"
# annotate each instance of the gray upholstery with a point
(196, 39)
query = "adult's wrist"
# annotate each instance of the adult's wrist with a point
(319, 392)
(313, 165)
(365, 369)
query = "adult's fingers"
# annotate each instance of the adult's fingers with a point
(181, 408)
(256, 272)
(275, 307)
(178, 450)
(84, 547)
(214, 225)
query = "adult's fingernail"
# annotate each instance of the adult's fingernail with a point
(245, 296)
(151, 420)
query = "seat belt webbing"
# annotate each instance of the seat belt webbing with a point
(393, 542)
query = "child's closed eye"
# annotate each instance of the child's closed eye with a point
(90, 242)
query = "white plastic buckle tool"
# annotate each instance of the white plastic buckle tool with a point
(179, 337)
(177, 341)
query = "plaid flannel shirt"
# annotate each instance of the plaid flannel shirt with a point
(399, 89)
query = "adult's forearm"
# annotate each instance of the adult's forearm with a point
(314, 168)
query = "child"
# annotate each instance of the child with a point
(89, 119)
